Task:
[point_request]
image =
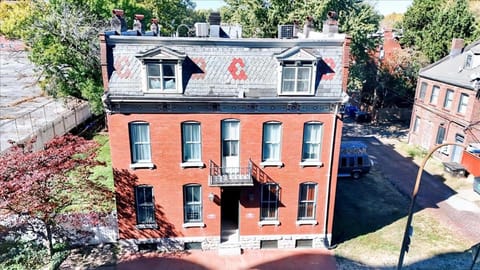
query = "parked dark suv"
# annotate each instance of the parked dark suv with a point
(354, 160)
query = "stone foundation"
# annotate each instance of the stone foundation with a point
(213, 242)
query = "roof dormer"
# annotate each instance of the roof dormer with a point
(297, 72)
(162, 70)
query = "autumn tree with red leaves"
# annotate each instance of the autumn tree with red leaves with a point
(36, 186)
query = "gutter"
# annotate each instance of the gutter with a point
(327, 240)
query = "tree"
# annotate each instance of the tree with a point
(62, 38)
(430, 26)
(37, 186)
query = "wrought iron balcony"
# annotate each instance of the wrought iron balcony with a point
(230, 176)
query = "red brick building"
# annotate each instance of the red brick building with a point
(224, 143)
(447, 105)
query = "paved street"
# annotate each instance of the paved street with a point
(458, 210)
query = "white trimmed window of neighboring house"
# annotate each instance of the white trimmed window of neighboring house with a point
(468, 60)
(440, 135)
(463, 103)
(447, 104)
(416, 124)
(435, 93)
(423, 91)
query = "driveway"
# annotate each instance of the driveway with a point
(455, 209)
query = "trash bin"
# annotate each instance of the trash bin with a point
(476, 184)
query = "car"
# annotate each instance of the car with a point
(354, 160)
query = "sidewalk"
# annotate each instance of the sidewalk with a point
(305, 259)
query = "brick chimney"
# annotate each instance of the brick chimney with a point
(457, 46)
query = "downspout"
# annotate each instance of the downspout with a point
(328, 240)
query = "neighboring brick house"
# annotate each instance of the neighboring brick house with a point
(225, 143)
(447, 105)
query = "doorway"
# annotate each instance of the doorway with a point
(230, 204)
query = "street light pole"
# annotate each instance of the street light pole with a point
(408, 231)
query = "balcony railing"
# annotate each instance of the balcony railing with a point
(230, 176)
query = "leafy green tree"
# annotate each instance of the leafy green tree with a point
(430, 26)
(62, 37)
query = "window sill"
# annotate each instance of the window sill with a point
(278, 164)
(311, 164)
(147, 226)
(268, 222)
(283, 93)
(192, 164)
(142, 165)
(306, 222)
(193, 225)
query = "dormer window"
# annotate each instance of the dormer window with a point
(161, 76)
(162, 70)
(468, 61)
(297, 71)
(297, 77)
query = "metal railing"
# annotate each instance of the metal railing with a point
(45, 122)
(230, 176)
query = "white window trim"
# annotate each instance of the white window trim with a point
(178, 76)
(278, 164)
(307, 222)
(269, 223)
(147, 226)
(192, 164)
(311, 163)
(311, 91)
(193, 225)
(142, 165)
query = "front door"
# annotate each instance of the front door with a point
(230, 203)
(230, 146)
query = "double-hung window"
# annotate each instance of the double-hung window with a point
(307, 201)
(161, 76)
(140, 144)
(423, 91)
(297, 78)
(145, 205)
(269, 202)
(434, 96)
(447, 104)
(416, 124)
(272, 132)
(192, 203)
(440, 135)
(462, 105)
(191, 143)
(312, 137)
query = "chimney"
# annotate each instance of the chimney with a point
(154, 27)
(308, 26)
(457, 46)
(331, 24)
(214, 20)
(137, 23)
(117, 22)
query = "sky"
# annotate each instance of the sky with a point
(385, 7)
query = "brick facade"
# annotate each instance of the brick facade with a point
(238, 80)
